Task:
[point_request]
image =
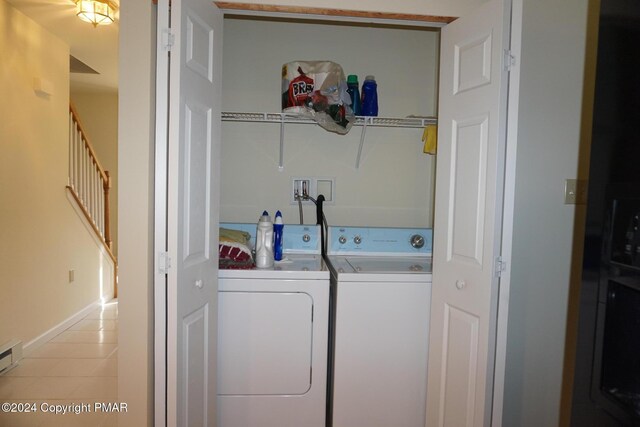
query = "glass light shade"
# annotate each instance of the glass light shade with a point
(96, 12)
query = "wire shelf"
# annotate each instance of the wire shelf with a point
(365, 122)
(406, 122)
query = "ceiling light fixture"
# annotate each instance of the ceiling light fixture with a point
(96, 12)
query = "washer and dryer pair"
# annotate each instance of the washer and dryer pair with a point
(301, 346)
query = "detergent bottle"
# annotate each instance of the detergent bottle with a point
(278, 228)
(264, 242)
(352, 85)
(369, 97)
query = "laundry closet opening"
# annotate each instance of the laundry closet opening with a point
(395, 181)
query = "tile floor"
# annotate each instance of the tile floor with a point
(77, 367)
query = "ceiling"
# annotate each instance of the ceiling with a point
(95, 47)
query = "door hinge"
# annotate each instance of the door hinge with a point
(501, 266)
(167, 38)
(509, 60)
(164, 262)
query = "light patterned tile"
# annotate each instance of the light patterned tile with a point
(75, 367)
(95, 325)
(79, 413)
(23, 419)
(100, 337)
(106, 368)
(111, 305)
(73, 350)
(111, 420)
(100, 388)
(29, 367)
(80, 364)
(15, 387)
(102, 314)
(51, 388)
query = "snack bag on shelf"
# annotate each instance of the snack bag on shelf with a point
(317, 89)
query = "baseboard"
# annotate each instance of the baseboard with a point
(59, 328)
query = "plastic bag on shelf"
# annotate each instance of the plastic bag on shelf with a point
(318, 89)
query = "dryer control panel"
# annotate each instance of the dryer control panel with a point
(380, 241)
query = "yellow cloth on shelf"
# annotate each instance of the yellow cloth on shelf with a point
(430, 139)
(228, 235)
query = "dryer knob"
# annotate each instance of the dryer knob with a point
(417, 241)
(306, 238)
(357, 240)
(342, 240)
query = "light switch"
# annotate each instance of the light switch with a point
(72, 276)
(575, 191)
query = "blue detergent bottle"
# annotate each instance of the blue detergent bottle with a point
(370, 96)
(278, 228)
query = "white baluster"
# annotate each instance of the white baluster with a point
(85, 175)
(96, 197)
(74, 173)
(75, 159)
(92, 188)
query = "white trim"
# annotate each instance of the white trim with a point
(35, 343)
(507, 215)
(160, 217)
(337, 18)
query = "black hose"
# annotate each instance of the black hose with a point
(321, 222)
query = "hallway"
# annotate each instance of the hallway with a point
(79, 366)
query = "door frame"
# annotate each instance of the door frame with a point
(508, 207)
(159, 278)
(160, 241)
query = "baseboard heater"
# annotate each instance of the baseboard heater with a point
(10, 354)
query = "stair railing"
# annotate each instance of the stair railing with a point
(88, 182)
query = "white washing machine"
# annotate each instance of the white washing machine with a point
(272, 337)
(381, 294)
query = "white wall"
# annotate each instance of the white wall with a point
(394, 185)
(98, 113)
(42, 237)
(421, 7)
(551, 84)
(135, 211)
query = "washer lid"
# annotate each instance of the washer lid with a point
(381, 265)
